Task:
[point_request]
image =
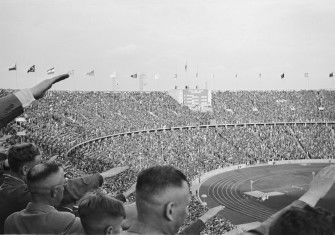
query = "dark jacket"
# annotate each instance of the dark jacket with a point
(42, 219)
(139, 228)
(15, 196)
(10, 108)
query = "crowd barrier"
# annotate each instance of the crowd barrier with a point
(131, 133)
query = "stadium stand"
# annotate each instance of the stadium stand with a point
(271, 125)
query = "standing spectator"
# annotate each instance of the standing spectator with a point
(46, 185)
(14, 192)
(162, 199)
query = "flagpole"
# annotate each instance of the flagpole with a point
(17, 84)
(307, 83)
(196, 78)
(186, 74)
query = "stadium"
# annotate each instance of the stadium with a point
(167, 117)
(163, 131)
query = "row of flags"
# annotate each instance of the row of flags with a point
(91, 73)
(31, 69)
(282, 76)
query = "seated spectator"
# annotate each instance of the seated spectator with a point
(46, 185)
(14, 192)
(101, 214)
(162, 199)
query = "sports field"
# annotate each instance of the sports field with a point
(282, 183)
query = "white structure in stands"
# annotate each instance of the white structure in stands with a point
(195, 99)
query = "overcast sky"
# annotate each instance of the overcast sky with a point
(220, 37)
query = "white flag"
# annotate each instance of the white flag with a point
(51, 71)
(113, 75)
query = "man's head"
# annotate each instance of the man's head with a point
(162, 198)
(306, 221)
(46, 183)
(22, 157)
(101, 214)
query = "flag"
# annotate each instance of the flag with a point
(156, 76)
(133, 75)
(331, 75)
(282, 76)
(306, 75)
(113, 75)
(91, 73)
(31, 69)
(51, 71)
(13, 67)
(175, 75)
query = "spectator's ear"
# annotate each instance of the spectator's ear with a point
(169, 211)
(109, 230)
(53, 192)
(25, 170)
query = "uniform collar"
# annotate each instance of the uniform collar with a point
(33, 206)
(11, 177)
(142, 228)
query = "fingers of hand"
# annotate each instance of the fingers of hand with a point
(60, 78)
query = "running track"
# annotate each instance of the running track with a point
(227, 189)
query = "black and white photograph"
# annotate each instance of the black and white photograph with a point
(191, 117)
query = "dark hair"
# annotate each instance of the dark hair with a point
(3, 156)
(306, 221)
(96, 205)
(41, 172)
(155, 179)
(20, 154)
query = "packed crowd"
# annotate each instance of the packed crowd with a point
(201, 149)
(273, 106)
(63, 119)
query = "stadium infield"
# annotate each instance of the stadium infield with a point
(282, 183)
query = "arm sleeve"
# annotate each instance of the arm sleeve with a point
(265, 226)
(2, 166)
(76, 188)
(194, 229)
(25, 96)
(75, 227)
(121, 197)
(10, 108)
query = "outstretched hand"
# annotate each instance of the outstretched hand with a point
(52, 159)
(40, 89)
(320, 185)
(114, 171)
(130, 190)
(211, 213)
